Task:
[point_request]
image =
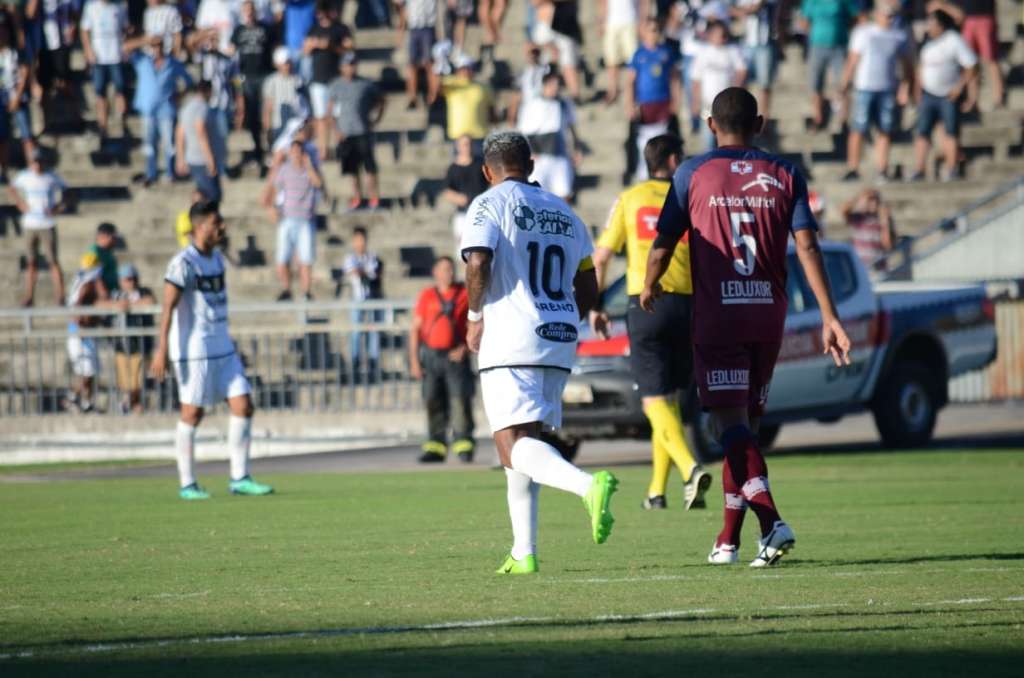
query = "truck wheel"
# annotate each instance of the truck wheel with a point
(906, 406)
(567, 447)
(766, 436)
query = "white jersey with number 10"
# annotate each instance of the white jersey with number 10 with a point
(530, 314)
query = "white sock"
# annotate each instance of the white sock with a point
(522, 509)
(184, 445)
(545, 465)
(239, 438)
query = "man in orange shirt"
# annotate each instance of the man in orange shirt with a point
(438, 357)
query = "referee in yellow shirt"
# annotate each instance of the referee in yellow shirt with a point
(661, 353)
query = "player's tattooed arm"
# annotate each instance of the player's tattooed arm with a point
(478, 279)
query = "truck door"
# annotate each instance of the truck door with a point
(804, 377)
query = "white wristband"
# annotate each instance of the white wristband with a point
(474, 316)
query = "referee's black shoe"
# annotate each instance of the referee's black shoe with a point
(656, 502)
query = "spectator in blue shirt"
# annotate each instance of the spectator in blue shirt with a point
(652, 94)
(299, 17)
(158, 77)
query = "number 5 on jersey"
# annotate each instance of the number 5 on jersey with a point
(743, 241)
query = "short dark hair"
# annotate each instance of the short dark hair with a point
(201, 210)
(944, 19)
(734, 111)
(107, 228)
(507, 150)
(204, 86)
(360, 230)
(659, 149)
(551, 74)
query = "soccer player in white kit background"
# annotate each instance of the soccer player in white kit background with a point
(194, 337)
(530, 281)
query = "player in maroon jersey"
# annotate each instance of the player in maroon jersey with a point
(740, 205)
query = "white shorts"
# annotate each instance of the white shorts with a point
(619, 44)
(296, 237)
(521, 395)
(319, 99)
(567, 48)
(204, 382)
(554, 173)
(85, 359)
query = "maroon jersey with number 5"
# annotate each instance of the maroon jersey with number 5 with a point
(739, 206)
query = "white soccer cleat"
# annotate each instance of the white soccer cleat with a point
(776, 544)
(723, 555)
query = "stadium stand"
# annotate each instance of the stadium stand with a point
(413, 156)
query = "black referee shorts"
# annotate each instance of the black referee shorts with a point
(661, 348)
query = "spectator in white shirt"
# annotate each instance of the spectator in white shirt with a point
(104, 24)
(39, 196)
(947, 69)
(163, 20)
(221, 15)
(716, 66)
(876, 50)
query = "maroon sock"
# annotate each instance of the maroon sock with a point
(735, 510)
(750, 473)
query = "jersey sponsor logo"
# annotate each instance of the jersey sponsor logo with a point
(750, 201)
(765, 181)
(728, 380)
(545, 222)
(747, 292)
(741, 167)
(210, 284)
(563, 333)
(647, 222)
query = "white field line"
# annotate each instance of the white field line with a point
(458, 625)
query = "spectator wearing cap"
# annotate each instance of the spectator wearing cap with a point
(290, 195)
(980, 29)
(14, 94)
(947, 69)
(879, 55)
(199, 148)
(870, 222)
(158, 77)
(39, 195)
(104, 24)
(463, 182)
(86, 292)
(439, 358)
(827, 23)
(418, 18)
(282, 96)
(130, 351)
(327, 40)
(103, 248)
(652, 96)
(470, 103)
(358, 107)
(253, 42)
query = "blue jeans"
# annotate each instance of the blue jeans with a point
(372, 339)
(205, 184)
(158, 130)
(877, 108)
(224, 117)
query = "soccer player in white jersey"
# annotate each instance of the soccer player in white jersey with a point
(530, 281)
(194, 337)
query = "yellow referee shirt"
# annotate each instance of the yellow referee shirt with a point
(633, 223)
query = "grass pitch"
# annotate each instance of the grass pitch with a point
(906, 564)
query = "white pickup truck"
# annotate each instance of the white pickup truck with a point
(908, 340)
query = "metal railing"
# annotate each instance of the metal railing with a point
(898, 264)
(311, 357)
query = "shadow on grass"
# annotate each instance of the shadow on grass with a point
(990, 442)
(911, 560)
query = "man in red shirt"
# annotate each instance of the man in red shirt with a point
(739, 206)
(438, 356)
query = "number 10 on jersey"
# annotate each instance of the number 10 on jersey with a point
(550, 265)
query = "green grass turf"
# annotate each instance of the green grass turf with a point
(907, 564)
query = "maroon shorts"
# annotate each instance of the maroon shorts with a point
(735, 375)
(981, 35)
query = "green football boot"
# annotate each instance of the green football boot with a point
(597, 501)
(528, 565)
(249, 487)
(193, 492)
